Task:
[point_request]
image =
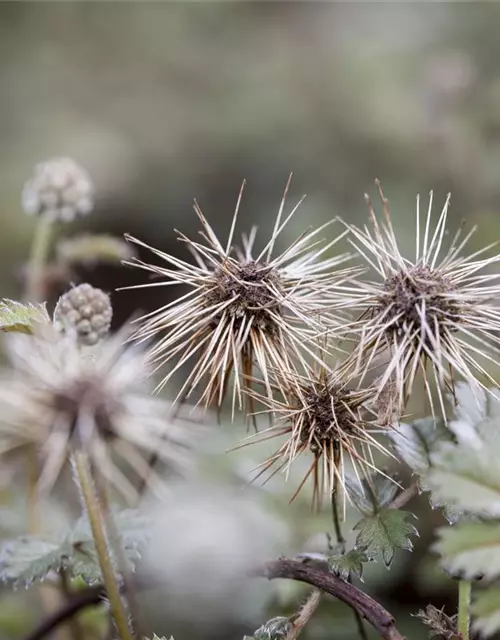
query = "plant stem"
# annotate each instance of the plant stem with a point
(38, 256)
(99, 534)
(304, 614)
(341, 542)
(464, 596)
(74, 624)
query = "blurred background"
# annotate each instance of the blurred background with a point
(165, 102)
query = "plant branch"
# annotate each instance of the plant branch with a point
(405, 496)
(286, 568)
(302, 617)
(464, 596)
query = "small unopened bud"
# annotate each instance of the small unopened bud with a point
(86, 310)
(59, 189)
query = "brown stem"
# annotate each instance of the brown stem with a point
(302, 617)
(289, 569)
(404, 497)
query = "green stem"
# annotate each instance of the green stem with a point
(464, 596)
(341, 542)
(38, 257)
(99, 534)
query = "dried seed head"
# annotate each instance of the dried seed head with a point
(59, 189)
(58, 398)
(330, 417)
(436, 315)
(243, 311)
(86, 310)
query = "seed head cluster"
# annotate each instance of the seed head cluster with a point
(244, 313)
(435, 317)
(85, 310)
(329, 416)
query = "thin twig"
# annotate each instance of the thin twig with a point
(368, 608)
(302, 617)
(404, 497)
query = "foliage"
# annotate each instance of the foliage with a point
(345, 564)
(29, 559)
(20, 318)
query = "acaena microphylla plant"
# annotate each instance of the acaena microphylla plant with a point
(434, 316)
(245, 310)
(60, 398)
(329, 418)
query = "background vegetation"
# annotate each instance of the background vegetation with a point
(166, 102)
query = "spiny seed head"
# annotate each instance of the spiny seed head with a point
(87, 311)
(328, 416)
(59, 189)
(435, 315)
(243, 311)
(58, 398)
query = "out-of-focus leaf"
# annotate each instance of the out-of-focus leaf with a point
(371, 494)
(467, 478)
(384, 532)
(30, 558)
(343, 564)
(486, 612)
(90, 248)
(415, 442)
(21, 318)
(274, 629)
(441, 625)
(470, 549)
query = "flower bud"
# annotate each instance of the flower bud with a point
(59, 189)
(87, 310)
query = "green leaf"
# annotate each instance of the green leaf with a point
(343, 564)
(470, 549)
(371, 494)
(92, 248)
(27, 559)
(384, 532)
(21, 318)
(441, 625)
(30, 558)
(486, 611)
(467, 478)
(274, 629)
(415, 442)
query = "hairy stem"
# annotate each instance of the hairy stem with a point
(302, 617)
(464, 596)
(97, 526)
(74, 625)
(38, 256)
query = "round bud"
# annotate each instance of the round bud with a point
(86, 310)
(59, 189)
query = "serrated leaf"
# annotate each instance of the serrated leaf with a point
(470, 549)
(441, 625)
(486, 611)
(274, 629)
(30, 558)
(476, 416)
(21, 318)
(371, 494)
(415, 442)
(384, 532)
(92, 248)
(343, 564)
(467, 479)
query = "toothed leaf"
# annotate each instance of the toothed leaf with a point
(351, 562)
(486, 612)
(274, 629)
(28, 559)
(384, 532)
(371, 494)
(470, 549)
(21, 318)
(415, 442)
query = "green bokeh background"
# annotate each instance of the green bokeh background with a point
(163, 102)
